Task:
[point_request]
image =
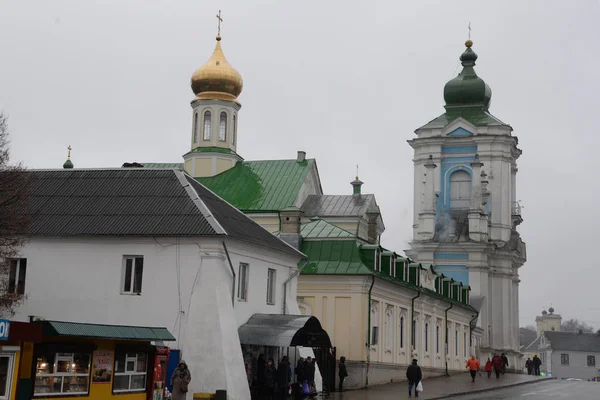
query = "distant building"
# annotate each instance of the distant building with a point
(548, 321)
(570, 354)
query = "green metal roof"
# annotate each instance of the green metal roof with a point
(319, 228)
(122, 332)
(334, 257)
(476, 115)
(260, 186)
(162, 165)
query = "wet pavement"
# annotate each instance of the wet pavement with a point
(557, 389)
(441, 387)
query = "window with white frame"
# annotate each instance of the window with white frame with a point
(234, 130)
(414, 334)
(426, 337)
(591, 361)
(195, 129)
(207, 125)
(271, 274)
(456, 344)
(133, 271)
(243, 271)
(460, 190)
(130, 372)
(16, 276)
(223, 126)
(60, 374)
(564, 359)
(6, 373)
(465, 343)
(389, 326)
(402, 332)
(374, 323)
(437, 339)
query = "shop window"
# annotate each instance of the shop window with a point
(271, 275)
(130, 372)
(16, 280)
(59, 374)
(133, 270)
(564, 359)
(591, 361)
(243, 282)
(6, 367)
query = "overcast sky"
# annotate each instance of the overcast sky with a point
(346, 81)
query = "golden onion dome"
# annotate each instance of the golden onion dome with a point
(217, 79)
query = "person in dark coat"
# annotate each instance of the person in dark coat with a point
(309, 375)
(270, 381)
(529, 366)
(497, 362)
(537, 362)
(261, 365)
(299, 371)
(342, 372)
(283, 378)
(504, 363)
(414, 376)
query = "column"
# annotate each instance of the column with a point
(477, 229)
(427, 216)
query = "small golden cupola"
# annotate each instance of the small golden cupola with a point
(217, 79)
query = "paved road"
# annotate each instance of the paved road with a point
(556, 389)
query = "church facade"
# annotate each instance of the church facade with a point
(466, 211)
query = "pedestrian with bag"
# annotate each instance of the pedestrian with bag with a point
(342, 372)
(180, 381)
(497, 363)
(473, 366)
(414, 376)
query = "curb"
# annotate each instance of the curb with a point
(491, 389)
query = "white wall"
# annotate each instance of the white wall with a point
(577, 367)
(80, 279)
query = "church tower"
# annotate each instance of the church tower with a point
(215, 108)
(465, 206)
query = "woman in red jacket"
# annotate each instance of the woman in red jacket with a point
(488, 368)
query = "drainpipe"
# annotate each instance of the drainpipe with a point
(232, 273)
(295, 274)
(412, 319)
(369, 332)
(471, 328)
(446, 322)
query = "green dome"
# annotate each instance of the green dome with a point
(68, 164)
(467, 89)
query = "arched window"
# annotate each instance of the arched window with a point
(195, 128)
(401, 332)
(234, 131)
(413, 333)
(465, 343)
(437, 339)
(389, 321)
(456, 344)
(223, 127)
(374, 323)
(207, 125)
(426, 337)
(460, 190)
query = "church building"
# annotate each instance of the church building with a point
(466, 211)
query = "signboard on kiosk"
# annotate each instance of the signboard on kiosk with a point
(4, 329)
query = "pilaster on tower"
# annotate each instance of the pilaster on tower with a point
(216, 86)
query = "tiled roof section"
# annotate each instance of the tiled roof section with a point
(129, 201)
(260, 186)
(136, 202)
(334, 257)
(573, 341)
(339, 205)
(163, 165)
(323, 229)
(476, 116)
(237, 224)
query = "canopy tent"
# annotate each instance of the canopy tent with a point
(284, 331)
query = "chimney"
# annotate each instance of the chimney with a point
(301, 156)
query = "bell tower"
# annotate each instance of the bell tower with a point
(216, 86)
(465, 208)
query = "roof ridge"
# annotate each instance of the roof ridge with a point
(199, 203)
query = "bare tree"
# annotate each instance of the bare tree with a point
(13, 224)
(574, 325)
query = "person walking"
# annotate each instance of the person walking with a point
(300, 378)
(309, 375)
(342, 372)
(180, 380)
(529, 366)
(283, 378)
(261, 367)
(497, 363)
(537, 362)
(473, 366)
(488, 368)
(268, 391)
(414, 376)
(504, 363)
